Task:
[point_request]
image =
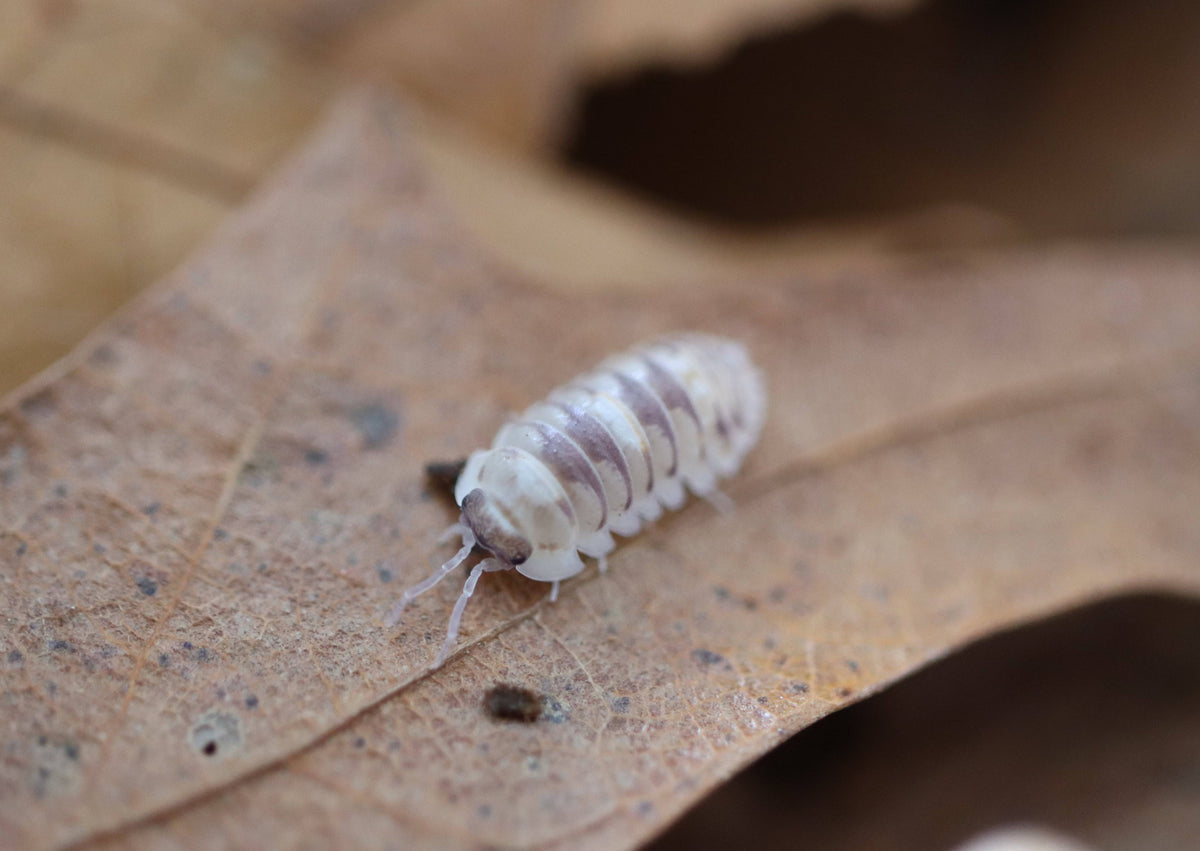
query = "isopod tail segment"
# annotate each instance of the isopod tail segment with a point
(603, 455)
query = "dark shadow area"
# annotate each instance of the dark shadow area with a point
(1065, 116)
(1088, 723)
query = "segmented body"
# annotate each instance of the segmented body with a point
(604, 454)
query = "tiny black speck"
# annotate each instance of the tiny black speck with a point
(251, 701)
(360, 742)
(385, 575)
(187, 645)
(15, 657)
(147, 586)
(163, 660)
(845, 692)
(210, 749)
(60, 645)
(315, 457)
(764, 700)
(71, 749)
(513, 703)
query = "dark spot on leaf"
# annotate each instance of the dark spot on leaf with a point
(187, 645)
(203, 654)
(15, 657)
(513, 703)
(764, 700)
(216, 733)
(99, 548)
(22, 548)
(315, 457)
(251, 701)
(39, 404)
(60, 490)
(443, 475)
(152, 508)
(845, 692)
(710, 659)
(621, 705)
(385, 575)
(163, 660)
(852, 665)
(147, 586)
(799, 688)
(553, 710)
(220, 534)
(60, 646)
(360, 742)
(71, 749)
(376, 423)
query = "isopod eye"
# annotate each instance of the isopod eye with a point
(519, 559)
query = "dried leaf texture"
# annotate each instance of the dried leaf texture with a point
(206, 511)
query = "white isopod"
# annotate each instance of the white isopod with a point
(603, 454)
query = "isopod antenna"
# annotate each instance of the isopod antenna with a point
(468, 544)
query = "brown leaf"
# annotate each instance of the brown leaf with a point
(205, 513)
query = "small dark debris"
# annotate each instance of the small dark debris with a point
(710, 659)
(852, 665)
(220, 534)
(71, 749)
(252, 701)
(22, 548)
(845, 692)
(15, 657)
(203, 654)
(210, 749)
(163, 660)
(513, 703)
(187, 645)
(385, 575)
(553, 710)
(443, 475)
(764, 700)
(376, 423)
(621, 705)
(216, 733)
(61, 646)
(315, 457)
(99, 548)
(147, 586)
(151, 508)
(360, 742)
(799, 688)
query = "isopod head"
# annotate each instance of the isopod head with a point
(519, 513)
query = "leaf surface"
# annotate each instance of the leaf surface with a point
(207, 510)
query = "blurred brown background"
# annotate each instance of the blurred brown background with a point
(702, 138)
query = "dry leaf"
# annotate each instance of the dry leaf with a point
(205, 513)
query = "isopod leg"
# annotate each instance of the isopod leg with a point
(438, 575)
(488, 565)
(603, 563)
(454, 531)
(720, 501)
(554, 591)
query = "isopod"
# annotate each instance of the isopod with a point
(602, 455)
